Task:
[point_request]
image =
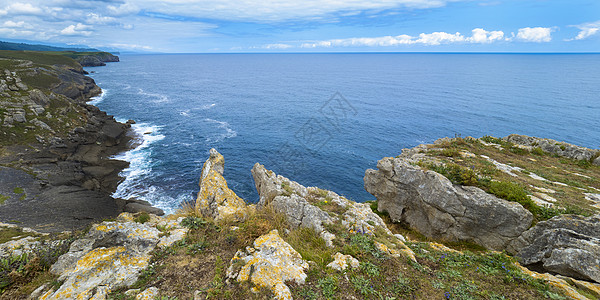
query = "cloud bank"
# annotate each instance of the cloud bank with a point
(478, 36)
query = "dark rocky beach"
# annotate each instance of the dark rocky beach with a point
(55, 162)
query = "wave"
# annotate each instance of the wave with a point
(99, 98)
(229, 133)
(140, 164)
(158, 98)
(208, 106)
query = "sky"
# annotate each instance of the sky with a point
(186, 26)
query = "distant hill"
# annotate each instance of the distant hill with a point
(29, 47)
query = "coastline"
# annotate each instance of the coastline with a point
(64, 179)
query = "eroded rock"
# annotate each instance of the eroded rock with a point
(567, 244)
(269, 264)
(215, 199)
(313, 207)
(431, 204)
(554, 147)
(341, 262)
(110, 256)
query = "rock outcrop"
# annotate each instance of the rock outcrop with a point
(555, 147)
(215, 200)
(341, 262)
(313, 207)
(269, 264)
(110, 256)
(568, 245)
(431, 204)
(96, 59)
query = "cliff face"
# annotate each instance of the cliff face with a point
(55, 173)
(96, 59)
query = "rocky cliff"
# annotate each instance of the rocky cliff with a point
(55, 170)
(297, 242)
(489, 190)
(95, 59)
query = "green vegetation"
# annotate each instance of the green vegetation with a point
(21, 274)
(567, 182)
(3, 198)
(29, 47)
(142, 218)
(44, 58)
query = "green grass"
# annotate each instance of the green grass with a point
(3, 199)
(45, 58)
(142, 218)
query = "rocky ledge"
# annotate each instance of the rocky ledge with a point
(503, 194)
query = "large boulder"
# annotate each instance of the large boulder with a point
(431, 204)
(270, 264)
(568, 245)
(314, 208)
(215, 199)
(110, 256)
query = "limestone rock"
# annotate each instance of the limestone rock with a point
(269, 264)
(568, 245)
(341, 262)
(39, 98)
(150, 293)
(299, 205)
(301, 213)
(215, 199)
(431, 204)
(110, 256)
(18, 247)
(554, 147)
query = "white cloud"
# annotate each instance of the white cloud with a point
(480, 36)
(277, 46)
(535, 34)
(78, 29)
(13, 24)
(437, 38)
(22, 9)
(268, 10)
(586, 30)
(126, 8)
(94, 18)
(130, 46)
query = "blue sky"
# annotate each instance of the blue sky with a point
(186, 26)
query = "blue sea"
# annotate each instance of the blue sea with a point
(323, 119)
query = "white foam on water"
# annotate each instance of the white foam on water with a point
(208, 106)
(158, 98)
(229, 133)
(99, 98)
(140, 169)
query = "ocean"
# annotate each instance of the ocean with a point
(323, 119)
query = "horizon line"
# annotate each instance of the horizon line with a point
(355, 52)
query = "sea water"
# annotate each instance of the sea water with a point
(323, 119)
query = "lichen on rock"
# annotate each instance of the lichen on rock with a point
(215, 199)
(269, 264)
(313, 207)
(341, 262)
(111, 256)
